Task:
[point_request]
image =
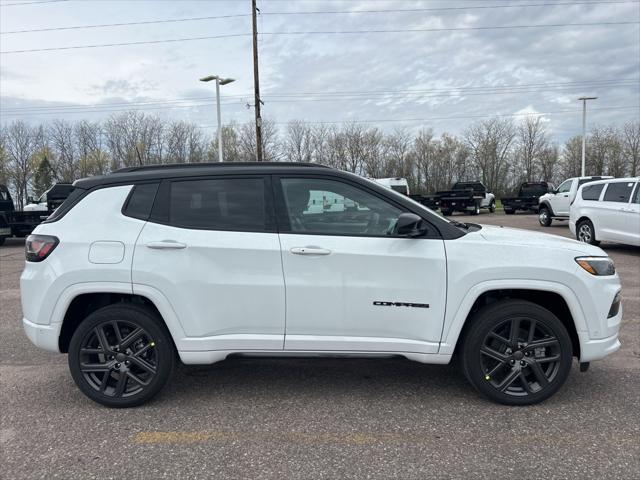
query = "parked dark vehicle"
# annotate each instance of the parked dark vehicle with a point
(467, 197)
(49, 200)
(13, 222)
(528, 197)
(429, 201)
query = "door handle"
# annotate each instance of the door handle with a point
(310, 251)
(166, 245)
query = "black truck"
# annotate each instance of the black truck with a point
(21, 223)
(467, 197)
(429, 201)
(527, 199)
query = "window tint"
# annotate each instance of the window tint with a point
(565, 187)
(219, 204)
(141, 201)
(330, 207)
(618, 192)
(592, 192)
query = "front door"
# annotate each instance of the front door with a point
(352, 284)
(560, 202)
(212, 250)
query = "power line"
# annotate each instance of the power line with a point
(125, 24)
(326, 96)
(18, 4)
(392, 120)
(326, 12)
(327, 32)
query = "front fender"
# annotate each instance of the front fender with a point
(455, 322)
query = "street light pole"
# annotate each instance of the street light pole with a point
(584, 130)
(219, 81)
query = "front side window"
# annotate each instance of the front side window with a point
(565, 187)
(592, 192)
(636, 197)
(330, 207)
(618, 192)
(218, 204)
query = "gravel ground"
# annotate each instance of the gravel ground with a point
(319, 418)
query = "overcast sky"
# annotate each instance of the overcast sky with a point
(439, 68)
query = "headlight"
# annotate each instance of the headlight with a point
(597, 265)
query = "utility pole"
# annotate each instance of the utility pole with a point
(256, 81)
(584, 130)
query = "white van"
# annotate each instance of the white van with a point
(607, 210)
(398, 184)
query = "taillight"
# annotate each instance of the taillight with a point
(39, 247)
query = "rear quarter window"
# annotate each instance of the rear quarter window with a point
(618, 192)
(71, 201)
(140, 201)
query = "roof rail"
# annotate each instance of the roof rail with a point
(144, 168)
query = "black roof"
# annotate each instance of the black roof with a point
(176, 170)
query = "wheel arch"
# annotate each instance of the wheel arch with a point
(556, 298)
(546, 205)
(82, 303)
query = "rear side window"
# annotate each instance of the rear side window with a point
(619, 192)
(592, 192)
(141, 201)
(236, 204)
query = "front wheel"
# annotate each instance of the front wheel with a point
(121, 355)
(586, 233)
(492, 206)
(516, 352)
(544, 217)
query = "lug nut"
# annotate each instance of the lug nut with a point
(523, 363)
(513, 362)
(127, 362)
(117, 365)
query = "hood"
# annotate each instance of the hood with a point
(516, 236)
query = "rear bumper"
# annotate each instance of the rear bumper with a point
(43, 336)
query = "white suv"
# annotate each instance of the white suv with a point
(207, 261)
(608, 211)
(555, 205)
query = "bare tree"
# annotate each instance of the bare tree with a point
(532, 142)
(490, 142)
(631, 146)
(21, 144)
(571, 157)
(93, 157)
(61, 138)
(298, 143)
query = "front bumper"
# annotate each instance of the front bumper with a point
(43, 336)
(598, 349)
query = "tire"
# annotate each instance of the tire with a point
(446, 213)
(507, 368)
(508, 211)
(476, 209)
(586, 233)
(544, 216)
(492, 207)
(2, 239)
(110, 380)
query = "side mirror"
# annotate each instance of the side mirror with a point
(410, 225)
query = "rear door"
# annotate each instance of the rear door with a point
(630, 214)
(351, 283)
(211, 248)
(615, 221)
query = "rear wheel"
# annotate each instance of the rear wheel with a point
(446, 213)
(476, 209)
(544, 217)
(121, 355)
(492, 206)
(516, 353)
(586, 233)
(509, 211)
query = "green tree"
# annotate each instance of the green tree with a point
(44, 175)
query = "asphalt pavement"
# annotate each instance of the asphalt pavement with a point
(319, 418)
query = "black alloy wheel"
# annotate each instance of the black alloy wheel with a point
(120, 356)
(517, 353)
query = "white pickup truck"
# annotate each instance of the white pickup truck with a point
(555, 205)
